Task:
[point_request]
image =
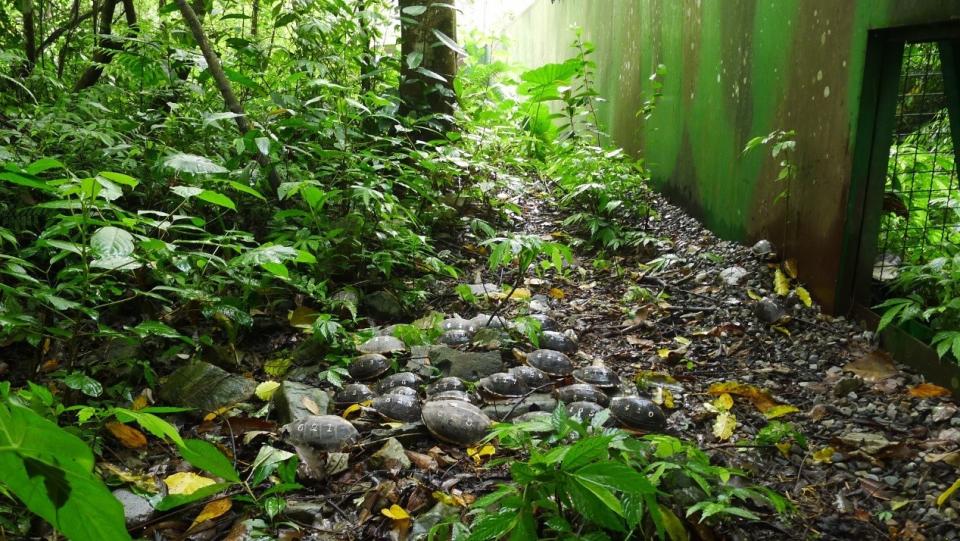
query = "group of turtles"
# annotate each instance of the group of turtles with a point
(451, 409)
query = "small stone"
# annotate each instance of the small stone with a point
(302, 511)
(205, 388)
(943, 412)
(733, 276)
(768, 311)
(762, 248)
(892, 480)
(136, 508)
(294, 401)
(384, 305)
(391, 456)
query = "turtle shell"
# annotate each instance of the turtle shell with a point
(458, 324)
(481, 321)
(449, 383)
(557, 341)
(546, 322)
(502, 385)
(455, 421)
(368, 366)
(406, 391)
(599, 376)
(398, 407)
(455, 395)
(533, 377)
(555, 363)
(455, 337)
(400, 379)
(326, 432)
(353, 393)
(582, 392)
(382, 345)
(638, 413)
(583, 410)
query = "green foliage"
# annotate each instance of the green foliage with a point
(582, 480)
(782, 145)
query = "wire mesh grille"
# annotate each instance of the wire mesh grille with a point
(921, 204)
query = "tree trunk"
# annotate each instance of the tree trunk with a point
(223, 85)
(29, 34)
(104, 49)
(255, 18)
(421, 92)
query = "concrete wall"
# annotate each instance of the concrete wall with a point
(735, 69)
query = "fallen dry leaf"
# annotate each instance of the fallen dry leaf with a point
(804, 296)
(724, 425)
(311, 406)
(790, 266)
(761, 399)
(873, 366)
(928, 390)
(212, 510)
(479, 453)
(823, 455)
(186, 482)
(556, 293)
(780, 410)
(951, 458)
(422, 461)
(130, 437)
(942, 498)
(781, 284)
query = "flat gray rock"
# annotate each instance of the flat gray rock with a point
(289, 402)
(466, 365)
(136, 509)
(205, 388)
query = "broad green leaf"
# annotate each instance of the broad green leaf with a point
(449, 42)
(111, 241)
(83, 383)
(20, 180)
(51, 472)
(151, 423)
(44, 164)
(414, 11)
(586, 451)
(216, 198)
(176, 500)
(205, 455)
(193, 164)
(119, 178)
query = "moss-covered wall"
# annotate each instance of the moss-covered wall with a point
(735, 69)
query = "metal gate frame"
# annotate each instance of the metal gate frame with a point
(874, 136)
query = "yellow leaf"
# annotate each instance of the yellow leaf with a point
(302, 317)
(521, 293)
(928, 390)
(144, 482)
(450, 499)
(761, 399)
(556, 293)
(663, 352)
(942, 499)
(311, 406)
(753, 295)
(277, 367)
(663, 397)
(396, 512)
(217, 413)
(781, 329)
(784, 448)
(780, 410)
(212, 510)
(781, 284)
(790, 266)
(353, 408)
(265, 390)
(823, 455)
(724, 425)
(478, 453)
(804, 296)
(139, 402)
(186, 482)
(723, 402)
(130, 437)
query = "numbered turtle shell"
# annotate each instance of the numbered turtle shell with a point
(455, 337)
(501, 385)
(325, 432)
(546, 322)
(353, 393)
(368, 366)
(383, 345)
(638, 413)
(554, 363)
(597, 375)
(455, 421)
(406, 391)
(481, 321)
(458, 324)
(583, 410)
(533, 377)
(582, 392)
(400, 379)
(557, 341)
(397, 407)
(449, 383)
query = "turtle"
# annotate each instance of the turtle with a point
(353, 393)
(597, 375)
(533, 377)
(400, 379)
(382, 345)
(455, 421)
(512, 407)
(557, 341)
(463, 396)
(546, 322)
(449, 383)
(583, 410)
(481, 321)
(405, 391)
(455, 337)
(554, 363)
(638, 413)
(458, 324)
(501, 386)
(397, 407)
(325, 432)
(368, 366)
(582, 392)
